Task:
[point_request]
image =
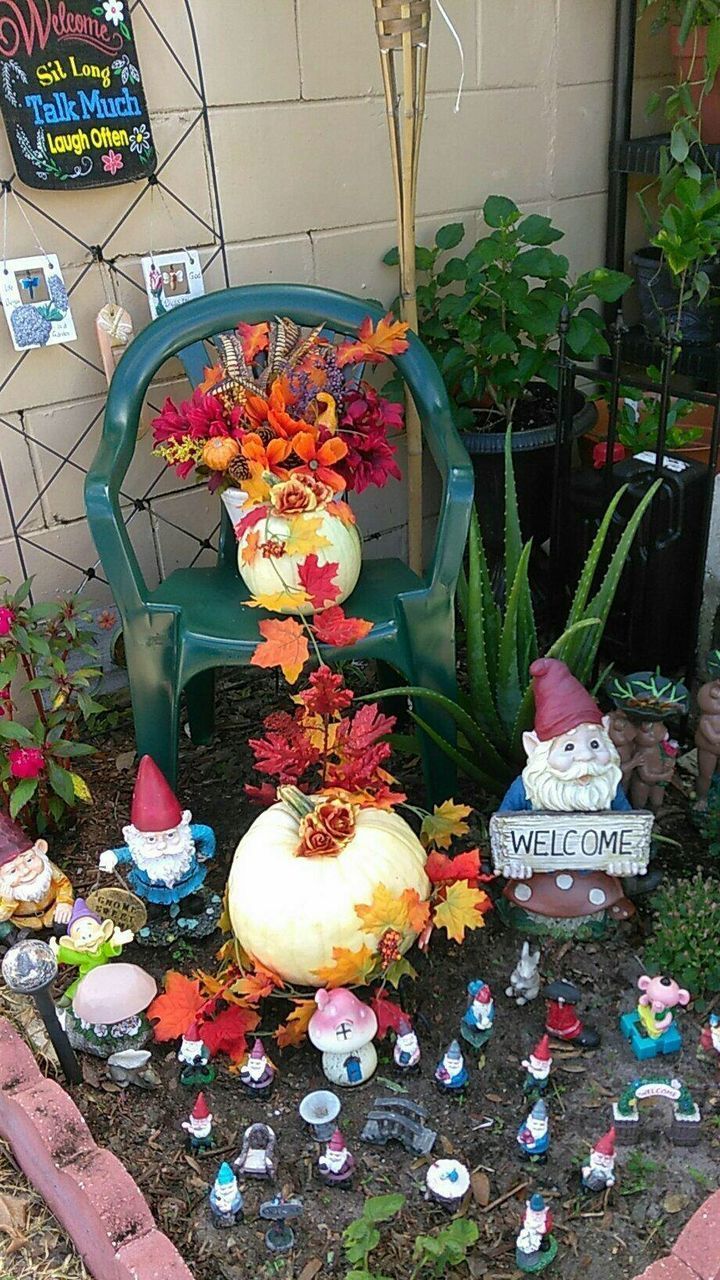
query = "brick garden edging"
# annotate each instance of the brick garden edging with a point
(696, 1252)
(90, 1192)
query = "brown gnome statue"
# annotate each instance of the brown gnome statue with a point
(34, 893)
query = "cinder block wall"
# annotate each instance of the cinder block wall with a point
(298, 126)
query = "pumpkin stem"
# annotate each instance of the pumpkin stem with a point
(296, 801)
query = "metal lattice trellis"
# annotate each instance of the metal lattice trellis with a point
(96, 259)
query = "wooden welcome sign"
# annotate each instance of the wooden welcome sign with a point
(577, 841)
(71, 94)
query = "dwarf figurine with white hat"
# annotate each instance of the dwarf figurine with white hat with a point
(198, 1126)
(166, 853)
(88, 943)
(406, 1050)
(194, 1055)
(337, 1164)
(537, 1067)
(598, 1173)
(34, 893)
(258, 1073)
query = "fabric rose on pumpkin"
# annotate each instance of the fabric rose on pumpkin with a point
(292, 497)
(325, 832)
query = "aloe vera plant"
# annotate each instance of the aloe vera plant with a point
(496, 707)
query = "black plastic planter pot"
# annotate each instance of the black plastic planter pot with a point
(658, 297)
(533, 456)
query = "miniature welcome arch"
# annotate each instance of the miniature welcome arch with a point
(685, 1128)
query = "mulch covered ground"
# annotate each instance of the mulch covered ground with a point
(600, 1238)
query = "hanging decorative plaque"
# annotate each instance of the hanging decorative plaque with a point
(71, 94)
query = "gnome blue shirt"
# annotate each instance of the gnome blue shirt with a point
(534, 1135)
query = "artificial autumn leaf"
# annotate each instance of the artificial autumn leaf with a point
(461, 909)
(418, 912)
(295, 1029)
(258, 984)
(348, 967)
(226, 1033)
(389, 1014)
(319, 580)
(257, 489)
(251, 517)
(373, 346)
(251, 548)
(278, 601)
(213, 373)
(440, 869)
(386, 911)
(285, 646)
(254, 338)
(400, 968)
(445, 821)
(304, 536)
(341, 511)
(333, 627)
(178, 1006)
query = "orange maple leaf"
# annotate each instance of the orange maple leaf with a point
(253, 339)
(285, 646)
(214, 373)
(461, 908)
(257, 985)
(331, 626)
(418, 912)
(251, 548)
(295, 1029)
(348, 967)
(373, 346)
(178, 1006)
(341, 511)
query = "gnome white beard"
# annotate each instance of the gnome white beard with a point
(200, 1128)
(255, 1067)
(225, 1196)
(481, 1014)
(545, 788)
(335, 1160)
(167, 868)
(35, 891)
(453, 1067)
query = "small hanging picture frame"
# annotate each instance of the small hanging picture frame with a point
(172, 279)
(35, 302)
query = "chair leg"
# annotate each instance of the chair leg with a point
(200, 701)
(431, 664)
(155, 693)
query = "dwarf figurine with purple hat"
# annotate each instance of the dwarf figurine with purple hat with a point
(406, 1050)
(167, 854)
(336, 1165)
(34, 893)
(88, 943)
(258, 1073)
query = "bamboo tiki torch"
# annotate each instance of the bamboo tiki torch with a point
(403, 28)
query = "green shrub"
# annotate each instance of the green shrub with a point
(686, 940)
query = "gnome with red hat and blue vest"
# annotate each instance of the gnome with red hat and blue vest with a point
(166, 853)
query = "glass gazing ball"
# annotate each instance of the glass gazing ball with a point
(29, 966)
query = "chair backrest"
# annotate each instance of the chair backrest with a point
(182, 332)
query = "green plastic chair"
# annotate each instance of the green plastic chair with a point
(178, 633)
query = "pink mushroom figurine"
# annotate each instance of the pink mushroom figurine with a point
(108, 1010)
(342, 1027)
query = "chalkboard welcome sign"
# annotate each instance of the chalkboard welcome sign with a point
(71, 94)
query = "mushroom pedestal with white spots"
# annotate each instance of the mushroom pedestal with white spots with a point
(566, 901)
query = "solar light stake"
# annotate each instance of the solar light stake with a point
(29, 969)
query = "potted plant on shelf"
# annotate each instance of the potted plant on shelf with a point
(638, 421)
(694, 28)
(490, 319)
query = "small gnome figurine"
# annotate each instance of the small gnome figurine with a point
(336, 1166)
(598, 1173)
(34, 893)
(535, 1247)
(167, 854)
(654, 765)
(537, 1067)
(88, 943)
(477, 1022)
(198, 1126)
(710, 1037)
(194, 1055)
(561, 1016)
(406, 1050)
(533, 1136)
(451, 1073)
(258, 1074)
(226, 1201)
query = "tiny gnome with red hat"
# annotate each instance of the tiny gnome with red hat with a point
(336, 1165)
(537, 1067)
(572, 766)
(34, 893)
(198, 1126)
(194, 1056)
(598, 1173)
(167, 854)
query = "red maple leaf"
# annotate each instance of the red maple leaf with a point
(389, 1014)
(319, 580)
(332, 627)
(227, 1031)
(251, 517)
(366, 727)
(440, 869)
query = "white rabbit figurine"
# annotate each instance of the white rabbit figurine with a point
(525, 978)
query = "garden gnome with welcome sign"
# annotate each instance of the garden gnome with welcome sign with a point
(572, 767)
(34, 893)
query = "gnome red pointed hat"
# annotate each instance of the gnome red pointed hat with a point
(13, 840)
(200, 1111)
(337, 1142)
(155, 807)
(542, 1049)
(193, 1033)
(606, 1145)
(561, 702)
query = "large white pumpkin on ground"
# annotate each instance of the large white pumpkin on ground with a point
(290, 911)
(339, 544)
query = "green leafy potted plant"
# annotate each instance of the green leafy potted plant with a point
(491, 320)
(694, 28)
(638, 423)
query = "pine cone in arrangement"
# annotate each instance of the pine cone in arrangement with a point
(239, 469)
(266, 433)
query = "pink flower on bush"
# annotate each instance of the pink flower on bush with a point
(5, 697)
(7, 618)
(26, 762)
